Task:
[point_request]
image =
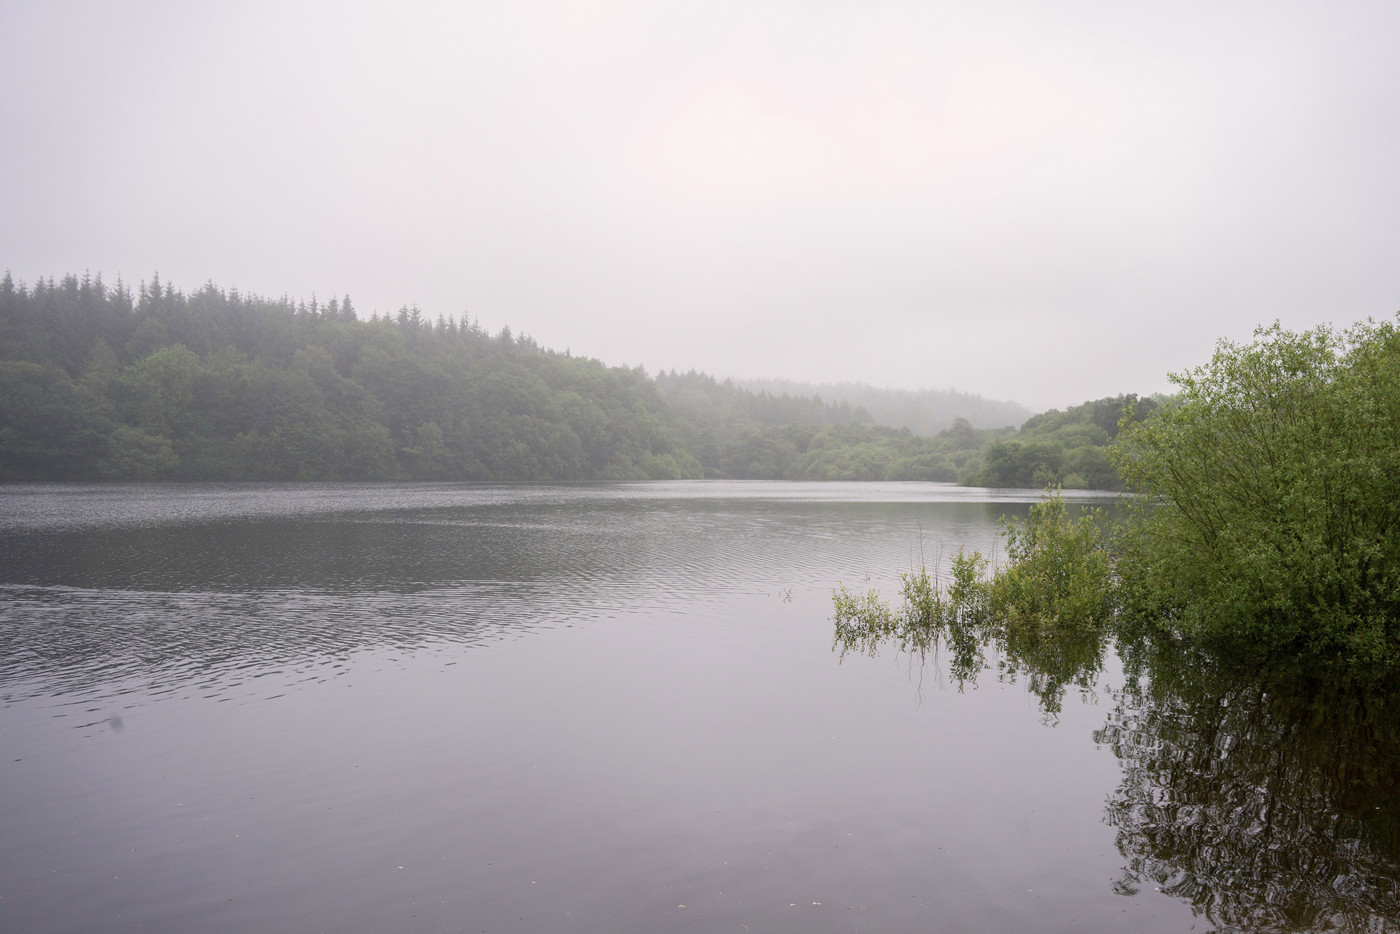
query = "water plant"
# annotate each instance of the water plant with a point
(1045, 613)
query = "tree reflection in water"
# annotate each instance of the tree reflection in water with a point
(1268, 797)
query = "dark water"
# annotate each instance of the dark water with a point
(612, 708)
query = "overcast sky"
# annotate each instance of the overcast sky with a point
(1045, 202)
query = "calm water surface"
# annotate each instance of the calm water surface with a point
(528, 708)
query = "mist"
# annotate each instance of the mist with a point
(1037, 204)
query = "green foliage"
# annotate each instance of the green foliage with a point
(1059, 576)
(967, 590)
(49, 426)
(1023, 464)
(1046, 614)
(240, 387)
(927, 619)
(137, 454)
(1271, 516)
(220, 385)
(863, 620)
(1268, 523)
(1067, 449)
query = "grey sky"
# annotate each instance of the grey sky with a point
(1046, 202)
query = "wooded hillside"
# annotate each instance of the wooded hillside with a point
(98, 382)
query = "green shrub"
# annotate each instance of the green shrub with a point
(1271, 515)
(1045, 612)
(1058, 577)
(863, 620)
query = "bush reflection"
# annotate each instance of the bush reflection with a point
(1267, 797)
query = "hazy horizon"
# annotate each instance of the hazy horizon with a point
(1042, 205)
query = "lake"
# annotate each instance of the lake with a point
(616, 707)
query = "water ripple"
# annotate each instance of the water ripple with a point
(113, 588)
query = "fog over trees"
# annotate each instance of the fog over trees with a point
(101, 381)
(923, 411)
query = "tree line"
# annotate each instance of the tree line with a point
(100, 381)
(739, 433)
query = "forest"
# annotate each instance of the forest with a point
(103, 382)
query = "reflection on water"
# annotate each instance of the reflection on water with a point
(511, 708)
(112, 588)
(969, 640)
(596, 707)
(1267, 798)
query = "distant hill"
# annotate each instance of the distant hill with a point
(924, 411)
(100, 383)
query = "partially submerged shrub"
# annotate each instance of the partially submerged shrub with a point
(1059, 577)
(1046, 611)
(968, 590)
(1271, 509)
(863, 621)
